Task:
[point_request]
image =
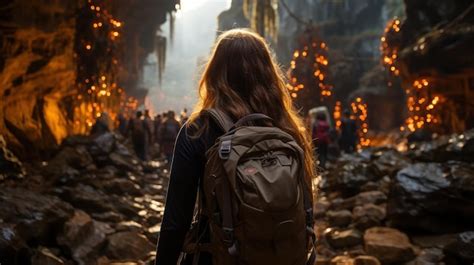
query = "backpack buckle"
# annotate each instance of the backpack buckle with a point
(224, 149)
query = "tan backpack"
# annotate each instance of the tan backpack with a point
(254, 198)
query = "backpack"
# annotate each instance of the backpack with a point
(254, 198)
(321, 132)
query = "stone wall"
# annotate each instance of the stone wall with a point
(38, 65)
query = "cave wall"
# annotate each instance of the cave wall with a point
(435, 42)
(36, 71)
(38, 65)
(352, 30)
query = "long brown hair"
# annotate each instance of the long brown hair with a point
(241, 78)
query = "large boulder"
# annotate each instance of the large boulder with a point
(388, 245)
(35, 216)
(388, 161)
(128, 245)
(84, 237)
(339, 218)
(433, 197)
(368, 215)
(87, 198)
(454, 147)
(344, 238)
(463, 248)
(13, 248)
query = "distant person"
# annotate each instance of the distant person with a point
(184, 116)
(321, 137)
(150, 124)
(348, 139)
(141, 135)
(168, 131)
(122, 124)
(101, 125)
(157, 125)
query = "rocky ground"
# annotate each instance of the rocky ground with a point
(381, 206)
(94, 203)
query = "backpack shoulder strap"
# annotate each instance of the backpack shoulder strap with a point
(222, 119)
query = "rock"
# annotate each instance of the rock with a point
(10, 165)
(123, 186)
(320, 208)
(342, 260)
(463, 248)
(339, 218)
(388, 162)
(13, 248)
(372, 197)
(44, 256)
(322, 260)
(432, 197)
(87, 198)
(369, 186)
(428, 256)
(455, 147)
(366, 260)
(74, 156)
(105, 142)
(388, 245)
(84, 237)
(123, 162)
(35, 216)
(368, 215)
(343, 204)
(344, 238)
(111, 217)
(128, 245)
(433, 241)
(129, 226)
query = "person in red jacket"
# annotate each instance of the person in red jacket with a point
(321, 138)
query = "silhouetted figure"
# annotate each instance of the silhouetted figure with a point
(184, 116)
(348, 139)
(150, 124)
(122, 124)
(101, 125)
(321, 135)
(157, 125)
(141, 135)
(168, 132)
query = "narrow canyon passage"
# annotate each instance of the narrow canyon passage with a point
(95, 96)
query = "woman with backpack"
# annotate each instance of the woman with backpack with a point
(248, 155)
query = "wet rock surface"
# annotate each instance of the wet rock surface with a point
(85, 207)
(93, 203)
(411, 207)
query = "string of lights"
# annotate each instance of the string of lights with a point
(422, 106)
(309, 67)
(98, 44)
(360, 114)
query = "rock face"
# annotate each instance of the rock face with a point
(36, 217)
(388, 245)
(84, 207)
(38, 66)
(419, 197)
